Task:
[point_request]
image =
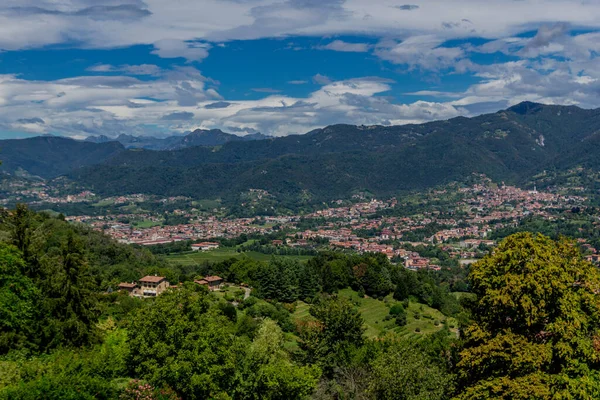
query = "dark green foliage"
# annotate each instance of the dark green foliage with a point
(278, 280)
(276, 312)
(68, 374)
(308, 282)
(177, 336)
(54, 270)
(50, 157)
(19, 302)
(229, 311)
(339, 160)
(337, 332)
(404, 371)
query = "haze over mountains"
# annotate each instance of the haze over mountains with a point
(199, 137)
(336, 161)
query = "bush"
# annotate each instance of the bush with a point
(397, 309)
(436, 323)
(418, 330)
(229, 311)
(401, 320)
(228, 297)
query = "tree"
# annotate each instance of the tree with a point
(21, 226)
(338, 329)
(268, 371)
(180, 341)
(536, 323)
(308, 283)
(402, 371)
(19, 302)
(69, 300)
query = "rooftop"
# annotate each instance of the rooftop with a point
(152, 279)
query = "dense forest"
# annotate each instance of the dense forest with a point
(530, 327)
(335, 162)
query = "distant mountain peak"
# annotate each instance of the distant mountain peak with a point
(526, 107)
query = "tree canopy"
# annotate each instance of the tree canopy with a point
(536, 323)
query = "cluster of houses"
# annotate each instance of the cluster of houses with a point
(153, 285)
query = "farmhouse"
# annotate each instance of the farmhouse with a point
(148, 286)
(152, 286)
(212, 282)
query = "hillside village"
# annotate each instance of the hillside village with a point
(459, 219)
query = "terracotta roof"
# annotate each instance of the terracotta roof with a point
(201, 282)
(152, 279)
(213, 278)
(127, 285)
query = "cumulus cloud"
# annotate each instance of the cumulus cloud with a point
(558, 64)
(110, 23)
(425, 52)
(111, 105)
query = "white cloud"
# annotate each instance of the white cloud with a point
(117, 104)
(340, 45)
(143, 69)
(321, 79)
(34, 23)
(424, 52)
(173, 48)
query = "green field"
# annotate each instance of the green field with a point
(146, 223)
(199, 257)
(374, 313)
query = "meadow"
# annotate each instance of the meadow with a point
(421, 319)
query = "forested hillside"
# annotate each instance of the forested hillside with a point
(50, 156)
(329, 163)
(339, 160)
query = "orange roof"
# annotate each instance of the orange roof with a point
(212, 278)
(152, 279)
(127, 285)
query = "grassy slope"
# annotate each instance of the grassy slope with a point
(375, 311)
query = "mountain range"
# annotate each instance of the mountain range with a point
(199, 137)
(510, 145)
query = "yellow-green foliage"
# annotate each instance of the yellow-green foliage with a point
(536, 323)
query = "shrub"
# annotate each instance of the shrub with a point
(397, 309)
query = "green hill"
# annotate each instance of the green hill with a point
(336, 161)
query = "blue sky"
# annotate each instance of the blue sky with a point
(88, 67)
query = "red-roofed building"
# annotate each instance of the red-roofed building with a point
(212, 282)
(205, 246)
